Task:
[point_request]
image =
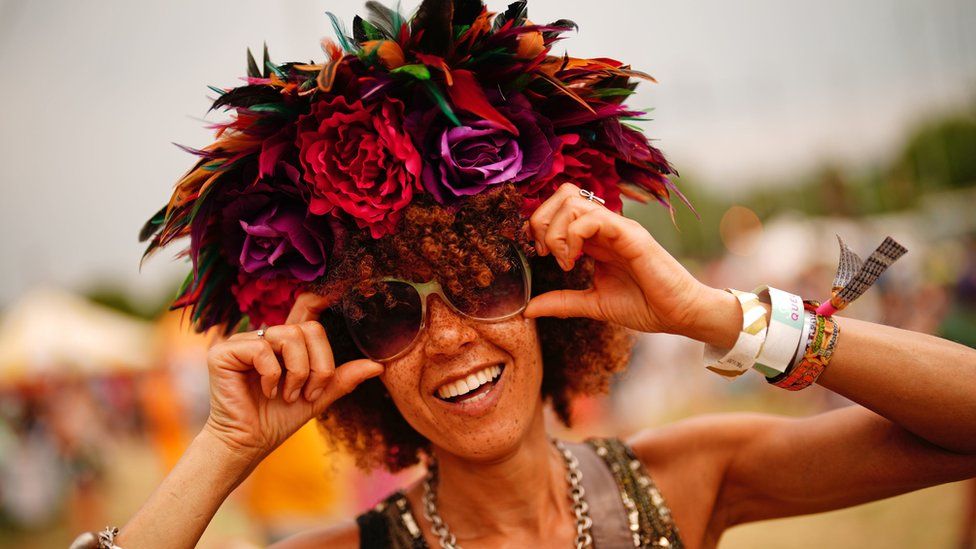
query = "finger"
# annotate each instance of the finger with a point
(598, 222)
(572, 209)
(320, 360)
(539, 221)
(308, 306)
(347, 377)
(563, 304)
(289, 341)
(250, 354)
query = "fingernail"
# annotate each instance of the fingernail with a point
(315, 394)
(294, 395)
(274, 392)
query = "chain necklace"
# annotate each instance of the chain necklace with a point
(574, 476)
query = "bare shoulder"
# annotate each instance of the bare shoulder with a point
(688, 460)
(344, 535)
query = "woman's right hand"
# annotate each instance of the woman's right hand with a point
(263, 389)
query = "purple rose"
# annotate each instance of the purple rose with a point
(268, 230)
(276, 239)
(465, 160)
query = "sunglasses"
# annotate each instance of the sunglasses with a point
(387, 324)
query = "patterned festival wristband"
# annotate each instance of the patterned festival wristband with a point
(783, 335)
(815, 359)
(731, 363)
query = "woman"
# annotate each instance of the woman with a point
(417, 339)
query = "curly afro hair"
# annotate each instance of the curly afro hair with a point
(460, 247)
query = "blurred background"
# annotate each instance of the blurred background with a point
(789, 121)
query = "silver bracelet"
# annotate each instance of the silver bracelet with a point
(102, 540)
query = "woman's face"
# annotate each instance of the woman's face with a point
(500, 364)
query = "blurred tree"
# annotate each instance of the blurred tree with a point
(941, 154)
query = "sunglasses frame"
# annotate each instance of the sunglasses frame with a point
(433, 287)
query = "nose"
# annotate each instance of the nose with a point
(447, 332)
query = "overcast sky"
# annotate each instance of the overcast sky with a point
(94, 92)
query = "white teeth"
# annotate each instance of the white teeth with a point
(470, 383)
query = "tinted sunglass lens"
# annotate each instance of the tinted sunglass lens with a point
(388, 321)
(506, 295)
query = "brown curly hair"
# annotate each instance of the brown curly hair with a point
(460, 247)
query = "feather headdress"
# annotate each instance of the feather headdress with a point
(446, 103)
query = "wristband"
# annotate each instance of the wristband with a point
(733, 362)
(785, 329)
(809, 325)
(815, 359)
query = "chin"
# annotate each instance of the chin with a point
(488, 416)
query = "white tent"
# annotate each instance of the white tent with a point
(50, 332)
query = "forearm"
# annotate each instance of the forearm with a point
(923, 383)
(180, 509)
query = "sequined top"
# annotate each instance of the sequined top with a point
(627, 508)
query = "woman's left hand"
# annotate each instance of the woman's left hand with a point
(637, 283)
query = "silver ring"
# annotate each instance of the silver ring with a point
(259, 333)
(587, 194)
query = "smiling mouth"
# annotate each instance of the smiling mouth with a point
(472, 388)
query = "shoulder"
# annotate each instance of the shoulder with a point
(700, 438)
(344, 535)
(688, 461)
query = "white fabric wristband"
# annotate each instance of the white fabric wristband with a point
(785, 330)
(731, 363)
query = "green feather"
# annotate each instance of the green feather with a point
(610, 92)
(271, 107)
(442, 103)
(418, 71)
(218, 90)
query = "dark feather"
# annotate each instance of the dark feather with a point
(267, 61)
(245, 96)
(152, 225)
(385, 19)
(433, 24)
(516, 13)
(466, 11)
(358, 32)
(565, 24)
(252, 66)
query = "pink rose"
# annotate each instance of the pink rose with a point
(357, 159)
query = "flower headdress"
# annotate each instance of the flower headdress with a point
(447, 103)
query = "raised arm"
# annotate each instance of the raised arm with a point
(263, 387)
(917, 426)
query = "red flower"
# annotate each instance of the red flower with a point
(266, 302)
(356, 158)
(584, 166)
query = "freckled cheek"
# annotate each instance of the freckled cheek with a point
(517, 337)
(402, 382)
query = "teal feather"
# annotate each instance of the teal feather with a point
(348, 45)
